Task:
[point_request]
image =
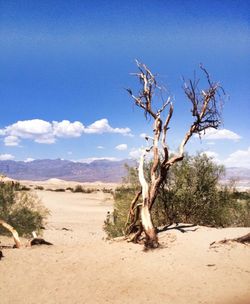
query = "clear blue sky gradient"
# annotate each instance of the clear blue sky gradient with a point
(70, 60)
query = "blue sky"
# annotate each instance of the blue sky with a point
(65, 64)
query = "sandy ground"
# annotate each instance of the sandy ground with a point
(82, 267)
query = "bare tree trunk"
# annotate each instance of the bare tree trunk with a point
(146, 218)
(206, 115)
(13, 232)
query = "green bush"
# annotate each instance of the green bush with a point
(79, 188)
(23, 210)
(191, 194)
(114, 224)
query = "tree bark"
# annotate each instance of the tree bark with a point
(146, 218)
(13, 232)
(206, 115)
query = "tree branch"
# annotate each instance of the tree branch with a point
(13, 232)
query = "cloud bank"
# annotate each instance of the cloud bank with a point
(44, 132)
(6, 157)
(239, 158)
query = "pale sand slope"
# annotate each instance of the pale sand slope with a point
(82, 267)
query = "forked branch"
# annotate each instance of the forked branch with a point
(206, 109)
(206, 112)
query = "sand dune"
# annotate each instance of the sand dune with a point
(82, 267)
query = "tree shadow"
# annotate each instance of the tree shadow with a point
(182, 228)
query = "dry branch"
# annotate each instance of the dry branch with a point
(32, 242)
(245, 239)
(205, 110)
(13, 232)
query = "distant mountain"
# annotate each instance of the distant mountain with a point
(238, 172)
(99, 170)
(241, 176)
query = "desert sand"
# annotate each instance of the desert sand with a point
(83, 267)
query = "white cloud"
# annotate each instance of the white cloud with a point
(143, 135)
(6, 157)
(122, 147)
(219, 134)
(29, 128)
(210, 153)
(45, 139)
(239, 158)
(11, 140)
(66, 128)
(135, 153)
(45, 132)
(102, 126)
(28, 160)
(100, 147)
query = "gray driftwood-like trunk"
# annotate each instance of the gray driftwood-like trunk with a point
(205, 110)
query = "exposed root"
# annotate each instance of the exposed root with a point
(13, 232)
(245, 239)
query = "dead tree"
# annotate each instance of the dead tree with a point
(13, 232)
(205, 109)
(34, 241)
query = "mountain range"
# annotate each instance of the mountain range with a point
(98, 170)
(43, 169)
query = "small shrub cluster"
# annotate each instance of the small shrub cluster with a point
(59, 190)
(39, 188)
(21, 209)
(115, 222)
(105, 190)
(79, 188)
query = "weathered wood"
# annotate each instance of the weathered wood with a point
(243, 240)
(206, 115)
(13, 232)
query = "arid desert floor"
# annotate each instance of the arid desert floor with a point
(83, 267)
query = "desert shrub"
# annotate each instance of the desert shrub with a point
(70, 189)
(115, 222)
(23, 210)
(59, 190)
(24, 188)
(88, 190)
(39, 188)
(79, 188)
(105, 190)
(191, 194)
